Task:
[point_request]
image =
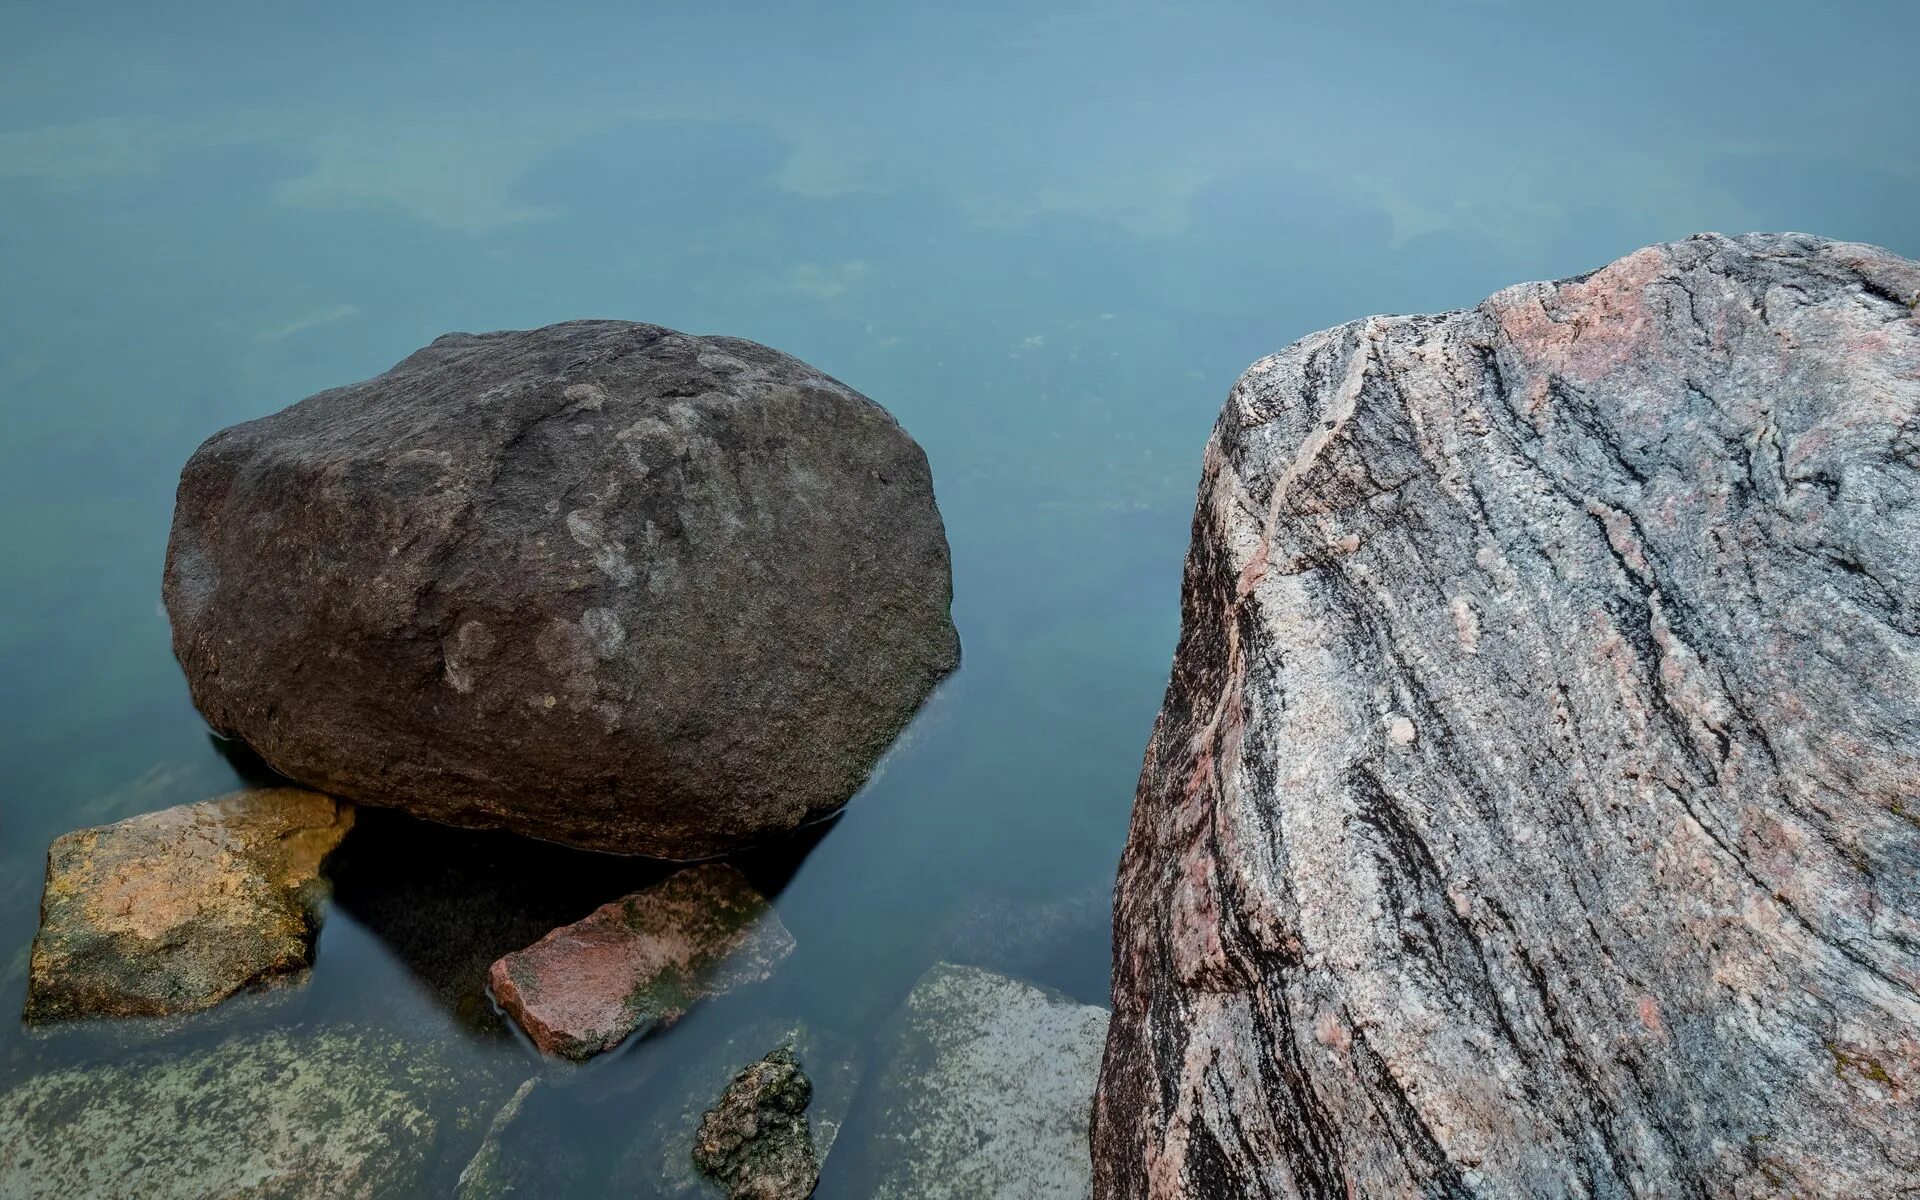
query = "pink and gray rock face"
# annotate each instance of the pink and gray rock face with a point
(600, 583)
(641, 961)
(1535, 808)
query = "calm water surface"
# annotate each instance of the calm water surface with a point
(1047, 237)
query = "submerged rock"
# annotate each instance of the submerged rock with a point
(16, 969)
(599, 583)
(328, 1114)
(519, 1157)
(1532, 811)
(640, 961)
(448, 903)
(986, 1092)
(489, 1173)
(1025, 936)
(755, 1143)
(173, 911)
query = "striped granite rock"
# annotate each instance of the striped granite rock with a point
(1535, 807)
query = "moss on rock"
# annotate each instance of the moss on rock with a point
(640, 961)
(274, 1116)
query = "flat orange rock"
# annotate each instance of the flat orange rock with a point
(173, 911)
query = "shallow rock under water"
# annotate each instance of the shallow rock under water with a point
(987, 1091)
(286, 1115)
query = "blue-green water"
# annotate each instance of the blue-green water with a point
(1046, 236)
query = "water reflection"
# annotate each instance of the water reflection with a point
(1046, 237)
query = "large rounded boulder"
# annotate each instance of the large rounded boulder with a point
(600, 583)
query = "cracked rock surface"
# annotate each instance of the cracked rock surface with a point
(1535, 806)
(600, 583)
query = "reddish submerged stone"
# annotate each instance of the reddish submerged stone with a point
(640, 961)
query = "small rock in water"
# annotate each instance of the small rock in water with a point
(756, 1143)
(988, 1091)
(659, 1165)
(640, 961)
(173, 911)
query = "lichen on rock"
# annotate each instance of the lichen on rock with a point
(173, 911)
(284, 1115)
(987, 1091)
(592, 583)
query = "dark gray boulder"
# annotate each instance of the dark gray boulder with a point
(1535, 806)
(600, 583)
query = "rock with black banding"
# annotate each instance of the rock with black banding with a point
(1535, 806)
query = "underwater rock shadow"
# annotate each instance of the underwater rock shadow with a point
(448, 902)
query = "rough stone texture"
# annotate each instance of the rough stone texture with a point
(1535, 809)
(986, 1092)
(330, 1115)
(661, 1164)
(174, 911)
(600, 583)
(755, 1142)
(640, 961)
